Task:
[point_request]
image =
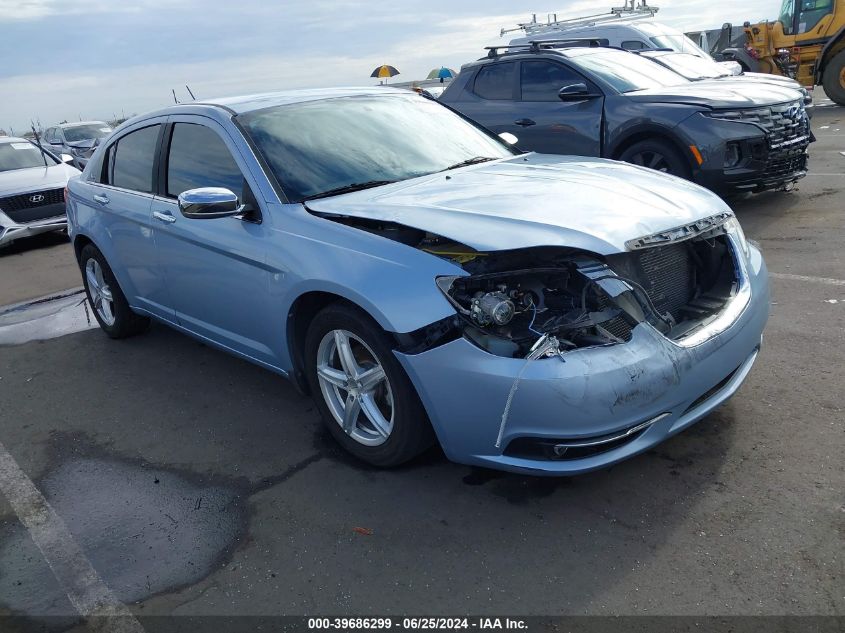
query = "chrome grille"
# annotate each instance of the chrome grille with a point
(785, 125)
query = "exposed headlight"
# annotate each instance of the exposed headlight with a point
(506, 313)
(734, 229)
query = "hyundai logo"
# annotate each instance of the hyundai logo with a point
(793, 112)
(36, 198)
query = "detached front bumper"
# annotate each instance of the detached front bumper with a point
(611, 402)
(11, 231)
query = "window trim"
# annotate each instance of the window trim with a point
(108, 159)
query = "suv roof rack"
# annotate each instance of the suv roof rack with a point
(631, 12)
(535, 46)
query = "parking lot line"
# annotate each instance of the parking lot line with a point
(80, 581)
(819, 280)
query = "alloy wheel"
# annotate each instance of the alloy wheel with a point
(652, 160)
(355, 387)
(101, 295)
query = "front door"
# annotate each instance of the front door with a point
(215, 269)
(552, 126)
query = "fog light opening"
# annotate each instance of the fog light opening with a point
(733, 155)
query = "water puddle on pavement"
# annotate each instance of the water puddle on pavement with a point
(45, 318)
(145, 529)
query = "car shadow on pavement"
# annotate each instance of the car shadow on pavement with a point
(36, 242)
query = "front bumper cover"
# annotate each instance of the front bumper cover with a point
(593, 393)
(11, 231)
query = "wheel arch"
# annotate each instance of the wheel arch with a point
(651, 134)
(80, 242)
(300, 314)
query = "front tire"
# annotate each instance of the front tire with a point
(658, 155)
(105, 297)
(364, 396)
(833, 79)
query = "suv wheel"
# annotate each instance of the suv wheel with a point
(107, 300)
(364, 396)
(833, 79)
(658, 155)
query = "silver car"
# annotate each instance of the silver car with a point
(79, 140)
(32, 183)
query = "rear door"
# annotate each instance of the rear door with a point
(117, 203)
(215, 269)
(489, 97)
(552, 126)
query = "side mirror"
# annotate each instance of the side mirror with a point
(66, 158)
(508, 138)
(574, 92)
(208, 203)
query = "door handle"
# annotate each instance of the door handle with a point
(102, 199)
(164, 217)
(524, 122)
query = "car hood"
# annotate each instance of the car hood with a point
(726, 92)
(35, 179)
(535, 200)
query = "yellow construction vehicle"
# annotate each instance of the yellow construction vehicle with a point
(806, 42)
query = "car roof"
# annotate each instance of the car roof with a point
(568, 52)
(78, 123)
(247, 103)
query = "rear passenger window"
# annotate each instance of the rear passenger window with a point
(134, 155)
(634, 45)
(495, 81)
(541, 81)
(198, 157)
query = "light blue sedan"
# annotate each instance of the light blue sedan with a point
(423, 280)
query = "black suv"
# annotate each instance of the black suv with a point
(594, 101)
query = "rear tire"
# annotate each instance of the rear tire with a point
(658, 155)
(833, 78)
(388, 424)
(107, 301)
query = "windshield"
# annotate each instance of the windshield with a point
(21, 155)
(690, 66)
(86, 132)
(626, 72)
(679, 42)
(319, 146)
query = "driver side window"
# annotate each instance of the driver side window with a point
(541, 80)
(812, 11)
(198, 157)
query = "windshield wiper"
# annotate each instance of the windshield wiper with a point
(356, 186)
(469, 161)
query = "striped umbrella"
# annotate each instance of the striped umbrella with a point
(442, 73)
(384, 72)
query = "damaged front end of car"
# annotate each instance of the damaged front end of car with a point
(677, 281)
(560, 360)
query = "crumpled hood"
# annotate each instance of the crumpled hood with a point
(35, 179)
(535, 200)
(725, 92)
(87, 143)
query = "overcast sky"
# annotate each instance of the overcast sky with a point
(66, 59)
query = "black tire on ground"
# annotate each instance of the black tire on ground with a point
(126, 323)
(657, 154)
(833, 78)
(411, 433)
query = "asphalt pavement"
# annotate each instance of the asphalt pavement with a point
(197, 484)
